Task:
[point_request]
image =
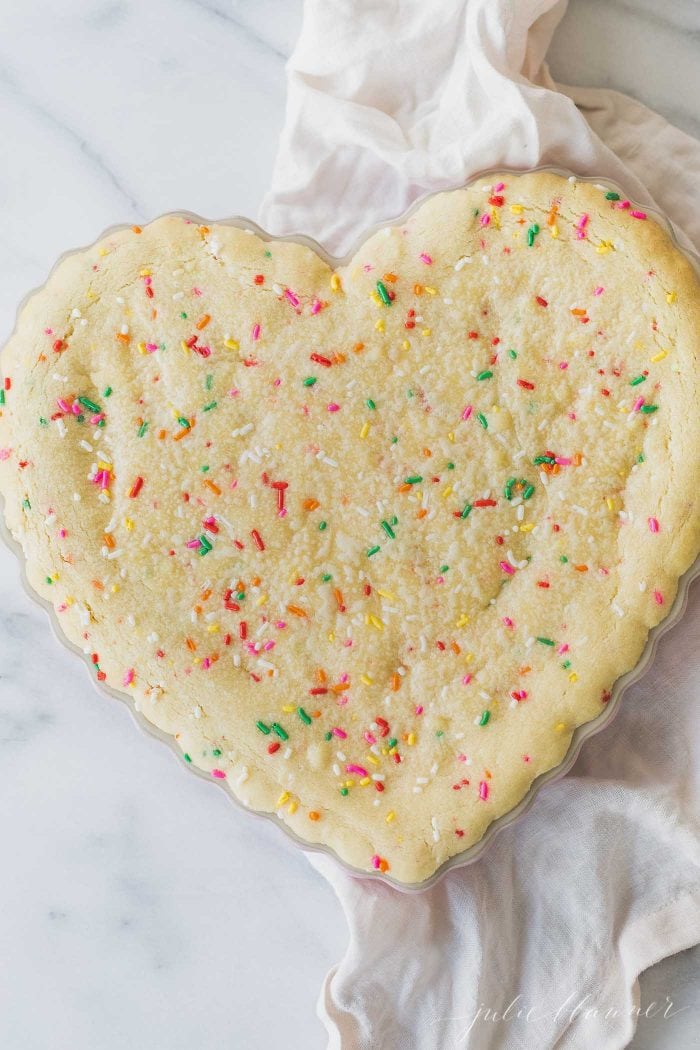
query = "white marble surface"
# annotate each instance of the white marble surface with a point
(139, 907)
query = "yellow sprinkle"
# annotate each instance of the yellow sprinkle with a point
(365, 678)
(103, 251)
(365, 781)
(411, 739)
(379, 325)
(184, 346)
(288, 709)
(70, 601)
(517, 209)
(462, 621)
(671, 297)
(427, 331)
(604, 246)
(292, 807)
(559, 727)
(406, 345)
(146, 273)
(262, 599)
(376, 622)
(331, 636)
(365, 430)
(554, 230)
(390, 816)
(573, 677)
(284, 797)
(469, 657)
(610, 502)
(375, 296)
(659, 357)
(349, 783)
(387, 594)
(104, 466)
(447, 492)
(430, 291)
(372, 759)
(232, 344)
(527, 528)
(213, 628)
(335, 282)
(495, 220)
(128, 524)
(114, 588)
(142, 347)
(451, 436)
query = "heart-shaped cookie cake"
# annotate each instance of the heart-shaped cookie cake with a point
(368, 542)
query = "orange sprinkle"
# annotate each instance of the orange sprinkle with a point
(552, 217)
(525, 669)
(191, 644)
(340, 687)
(311, 504)
(296, 610)
(98, 584)
(203, 322)
(123, 337)
(109, 541)
(455, 648)
(204, 230)
(339, 358)
(578, 459)
(162, 434)
(358, 348)
(136, 229)
(581, 568)
(321, 676)
(338, 595)
(205, 594)
(417, 289)
(390, 277)
(578, 313)
(421, 513)
(184, 431)
(405, 488)
(314, 814)
(213, 486)
(255, 582)
(395, 683)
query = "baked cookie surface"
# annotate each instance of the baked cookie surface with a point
(369, 542)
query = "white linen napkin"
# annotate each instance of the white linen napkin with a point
(388, 101)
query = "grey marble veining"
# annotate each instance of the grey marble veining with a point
(140, 908)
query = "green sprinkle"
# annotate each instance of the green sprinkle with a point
(101, 423)
(268, 255)
(263, 728)
(531, 234)
(183, 315)
(637, 380)
(484, 375)
(648, 409)
(26, 504)
(208, 408)
(512, 355)
(483, 420)
(450, 466)
(370, 403)
(204, 469)
(485, 715)
(543, 459)
(508, 489)
(566, 665)
(413, 479)
(322, 526)
(187, 757)
(564, 559)
(640, 457)
(444, 569)
(309, 381)
(43, 422)
(326, 577)
(240, 597)
(467, 510)
(107, 391)
(388, 530)
(80, 418)
(383, 294)
(183, 422)
(545, 641)
(612, 196)
(394, 440)
(306, 719)
(281, 733)
(47, 579)
(373, 550)
(440, 732)
(216, 752)
(2, 397)
(392, 743)
(343, 791)
(142, 429)
(328, 736)
(204, 545)
(208, 381)
(90, 405)
(528, 491)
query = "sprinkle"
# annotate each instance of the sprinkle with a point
(136, 488)
(303, 716)
(483, 420)
(485, 716)
(653, 525)
(483, 790)
(484, 375)
(531, 234)
(383, 293)
(413, 479)
(373, 550)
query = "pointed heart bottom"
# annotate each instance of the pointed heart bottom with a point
(369, 542)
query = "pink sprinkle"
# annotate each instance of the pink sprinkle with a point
(277, 382)
(483, 790)
(563, 461)
(419, 709)
(76, 409)
(351, 768)
(485, 220)
(508, 622)
(466, 412)
(97, 419)
(206, 663)
(219, 774)
(653, 525)
(62, 533)
(280, 625)
(128, 676)
(563, 648)
(192, 544)
(337, 731)
(269, 645)
(255, 332)
(658, 598)
(370, 738)
(289, 294)
(316, 306)
(623, 205)
(376, 861)
(333, 407)
(507, 568)
(151, 347)
(526, 758)
(466, 679)
(63, 405)
(638, 404)
(563, 365)
(424, 258)
(638, 214)
(499, 186)
(599, 290)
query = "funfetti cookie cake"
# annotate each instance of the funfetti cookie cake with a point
(369, 542)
